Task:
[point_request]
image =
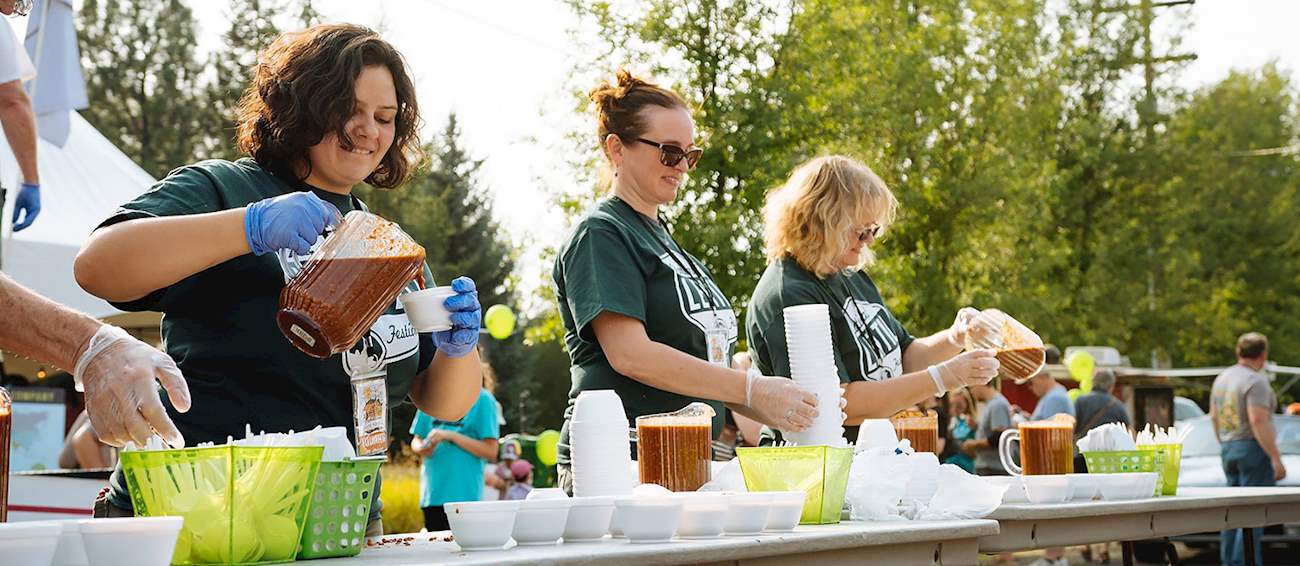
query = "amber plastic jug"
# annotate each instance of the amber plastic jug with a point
(674, 449)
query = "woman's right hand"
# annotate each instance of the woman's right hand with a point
(120, 376)
(780, 402)
(292, 221)
(975, 367)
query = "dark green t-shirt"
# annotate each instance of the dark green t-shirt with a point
(868, 342)
(219, 324)
(618, 260)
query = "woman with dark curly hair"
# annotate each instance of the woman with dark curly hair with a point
(212, 245)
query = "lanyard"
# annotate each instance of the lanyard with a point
(683, 261)
(861, 325)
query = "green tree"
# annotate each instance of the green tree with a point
(145, 81)
(252, 27)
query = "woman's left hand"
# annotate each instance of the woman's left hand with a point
(960, 325)
(466, 319)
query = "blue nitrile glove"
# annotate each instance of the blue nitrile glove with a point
(466, 318)
(29, 199)
(291, 221)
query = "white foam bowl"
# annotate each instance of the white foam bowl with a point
(1015, 488)
(749, 511)
(1116, 487)
(29, 543)
(482, 525)
(71, 550)
(1053, 488)
(130, 541)
(703, 515)
(541, 521)
(1085, 486)
(547, 493)
(649, 519)
(589, 519)
(787, 509)
(427, 308)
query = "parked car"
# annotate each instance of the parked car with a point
(1186, 409)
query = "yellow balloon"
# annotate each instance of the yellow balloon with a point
(547, 446)
(500, 321)
(1075, 393)
(1081, 364)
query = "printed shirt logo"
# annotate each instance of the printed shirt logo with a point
(390, 339)
(695, 305)
(879, 355)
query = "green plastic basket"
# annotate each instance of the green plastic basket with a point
(822, 472)
(1128, 461)
(1173, 458)
(340, 508)
(241, 504)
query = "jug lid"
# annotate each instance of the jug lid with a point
(694, 414)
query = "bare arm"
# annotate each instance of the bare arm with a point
(448, 388)
(1261, 423)
(88, 448)
(41, 329)
(749, 428)
(632, 353)
(483, 448)
(127, 261)
(925, 352)
(880, 399)
(20, 128)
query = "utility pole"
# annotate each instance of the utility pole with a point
(1149, 110)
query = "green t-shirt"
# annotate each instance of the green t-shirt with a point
(219, 324)
(618, 260)
(868, 342)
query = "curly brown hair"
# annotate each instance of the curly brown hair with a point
(304, 87)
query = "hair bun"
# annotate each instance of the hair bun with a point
(607, 93)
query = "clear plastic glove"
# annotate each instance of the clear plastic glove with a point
(780, 402)
(28, 201)
(960, 325)
(291, 222)
(117, 372)
(965, 369)
(466, 319)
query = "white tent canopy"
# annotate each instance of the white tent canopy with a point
(81, 184)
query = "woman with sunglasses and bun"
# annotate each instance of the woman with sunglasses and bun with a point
(818, 232)
(642, 316)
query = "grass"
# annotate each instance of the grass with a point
(401, 494)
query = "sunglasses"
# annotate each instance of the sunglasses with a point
(670, 155)
(872, 230)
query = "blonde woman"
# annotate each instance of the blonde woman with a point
(818, 232)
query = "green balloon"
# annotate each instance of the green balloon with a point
(500, 321)
(548, 443)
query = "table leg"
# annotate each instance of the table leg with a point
(1126, 547)
(1248, 542)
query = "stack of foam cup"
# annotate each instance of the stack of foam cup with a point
(812, 366)
(600, 452)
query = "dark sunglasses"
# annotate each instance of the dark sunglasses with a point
(871, 230)
(670, 155)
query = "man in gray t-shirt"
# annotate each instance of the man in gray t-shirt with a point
(994, 418)
(1242, 404)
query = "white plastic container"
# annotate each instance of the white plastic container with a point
(1015, 488)
(482, 525)
(649, 519)
(749, 511)
(130, 541)
(29, 543)
(1117, 487)
(1047, 489)
(541, 521)
(589, 519)
(787, 508)
(703, 515)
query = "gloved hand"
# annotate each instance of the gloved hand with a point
(960, 325)
(29, 200)
(291, 221)
(965, 369)
(779, 402)
(466, 319)
(117, 372)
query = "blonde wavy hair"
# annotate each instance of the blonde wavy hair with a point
(810, 217)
